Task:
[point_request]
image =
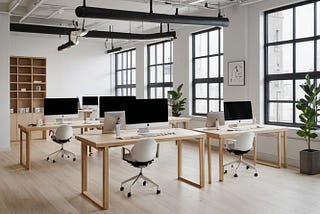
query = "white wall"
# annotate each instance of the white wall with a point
(4, 83)
(81, 70)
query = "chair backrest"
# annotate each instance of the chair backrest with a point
(64, 132)
(144, 150)
(244, 141)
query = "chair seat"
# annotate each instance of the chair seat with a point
(129, 159)
(238, 152)
(55, 139)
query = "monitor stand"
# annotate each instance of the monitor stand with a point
(61, 121)
(144, 130)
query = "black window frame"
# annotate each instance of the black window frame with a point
(314, 75)
(207, 80)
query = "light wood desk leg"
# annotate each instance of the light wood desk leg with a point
(186, 124)
(279, 149)
(221, 173)
(201, 162)
(84, 168)
(285, 149)
(105, 179)
(255, 150)
(179, 157)
(21, 148)
(158, 148)
(28, 162)
(44, 134)
(209, 159)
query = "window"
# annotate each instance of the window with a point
(126, 73)
(292, 50)
(207, 66)
(160, 69)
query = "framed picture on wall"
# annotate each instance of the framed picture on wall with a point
(236, 72)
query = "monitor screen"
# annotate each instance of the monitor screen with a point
(237, 110)
(112, 103)
(90, 100)
(60, 107)
(146, 111)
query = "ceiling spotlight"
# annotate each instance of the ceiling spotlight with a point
(113, 50)
(68, 45)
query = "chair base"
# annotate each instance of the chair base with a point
(62, 153)
(240, 161)
(135, 179)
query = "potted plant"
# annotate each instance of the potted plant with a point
(176, 101)
(309, 158)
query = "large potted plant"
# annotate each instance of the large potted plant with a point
(309, 158)
(176, 101)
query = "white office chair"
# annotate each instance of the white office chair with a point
(140, 156)
(62, 135)
(239, 146)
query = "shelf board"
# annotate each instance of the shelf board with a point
(39, 66)
(39, 75)
(24, 74)
(24, 66)
(25, 83)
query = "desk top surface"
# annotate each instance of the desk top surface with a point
(225, 131)
(110, 140)
(74, 124)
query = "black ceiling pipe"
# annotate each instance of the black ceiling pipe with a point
(102, 13)
(27, 28)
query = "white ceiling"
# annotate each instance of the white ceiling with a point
(62, 12)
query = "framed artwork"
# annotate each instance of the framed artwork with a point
(236, 73)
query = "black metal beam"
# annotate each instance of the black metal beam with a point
(42, 29)
(102, 13)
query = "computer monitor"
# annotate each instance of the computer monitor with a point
(213, 118)
(89, 101)
(144, 113)
(112, 103)
(60, 108)
(111, 118)
(238, 110)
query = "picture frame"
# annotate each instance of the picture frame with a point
(236, 72)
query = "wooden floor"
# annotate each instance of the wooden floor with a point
(55, 188)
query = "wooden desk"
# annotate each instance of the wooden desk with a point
(28, 129)
(174, 121)
(223, 133)
(103, 142)
(86, 113)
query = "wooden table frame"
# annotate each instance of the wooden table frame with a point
(27, 130)
(103, 142)
(223, 133)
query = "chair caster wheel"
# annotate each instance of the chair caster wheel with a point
(74, 159)
(247, 167)
(62, 156)
(121, 188)
(232, 166)
(129, 194)
(53, 161)
(158, 191)
(225, 171)
(235, 175)
(68, 156)
(48, 158)
(144, 183)
(256, 174)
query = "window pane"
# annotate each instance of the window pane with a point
(201, 44)
(167, 73)
(214, 90)
(213, 105)
(159, 53)
(281, 90)
(167, 52)
(152, 74)
(318, 18)
(304, 21)
(201, 68)
(221, 90)
(213, 42)
(201, 107)
(304, 56)
(129, 76)
(159, 74)
(152, 93)
(124, 77)
(133, 92)
(221, 41)
(119, 61)
(280, 112)
(280, 25)
(299, 92)
(119, 78)
(133, 77)
(133, 59)
(201, 90)
(159, 92)
(124, 61)
(280, 59)
(214, 66)
(318, 54)
(166, 89)
(129, 59)
(221, 66)
(152, 55)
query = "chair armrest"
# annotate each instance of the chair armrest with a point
(51, 132)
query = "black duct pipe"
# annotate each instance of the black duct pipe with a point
(27, 28)
(102, 13)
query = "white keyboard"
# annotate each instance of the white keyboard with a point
(161, 133)
(246, 127)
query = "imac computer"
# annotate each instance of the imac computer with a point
(144, 113)
(214, 120)
(238, 111)
(89, 101)
(110, 120)
(60, 108)
(112, 103)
